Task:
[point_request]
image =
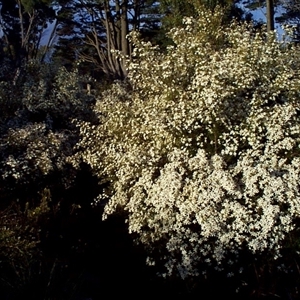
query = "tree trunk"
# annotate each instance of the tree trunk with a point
(124, 28)
(270, 15)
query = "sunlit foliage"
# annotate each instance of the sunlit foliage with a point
(202, 151)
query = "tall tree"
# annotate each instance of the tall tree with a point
(277, 11)
(270, 15)
(283, 12)
(23, 23)
(99, 29)
(175, 10)
(291, 15)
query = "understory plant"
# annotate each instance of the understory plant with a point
(20, 229)
(37, 132)
(201, 147)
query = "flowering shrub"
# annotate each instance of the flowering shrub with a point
(203, 150)
(55, 91)
(31, 149)
(37, 132)
(37, 184)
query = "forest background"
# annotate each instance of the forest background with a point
(149, 144)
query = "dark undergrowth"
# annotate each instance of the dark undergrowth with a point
(64, 251)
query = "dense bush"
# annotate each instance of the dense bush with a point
(202, 151)
(37, 131)
(20, 229)
(37, 134)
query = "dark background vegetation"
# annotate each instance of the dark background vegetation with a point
(53, 242)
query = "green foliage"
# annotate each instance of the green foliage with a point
(291, 17)
(37, 132)
(37, 135)
(173, 13)
(19, 241)
(99, 30)
(23, 23)
(29, 5)
(176, 10)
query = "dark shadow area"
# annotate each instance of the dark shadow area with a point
(85, 258)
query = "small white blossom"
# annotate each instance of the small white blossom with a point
(203, 152)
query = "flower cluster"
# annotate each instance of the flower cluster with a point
(29, 150)
(203, 151)
(37, 130)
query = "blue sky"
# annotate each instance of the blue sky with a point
(259, 15)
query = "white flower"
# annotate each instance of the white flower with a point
(203, 151)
